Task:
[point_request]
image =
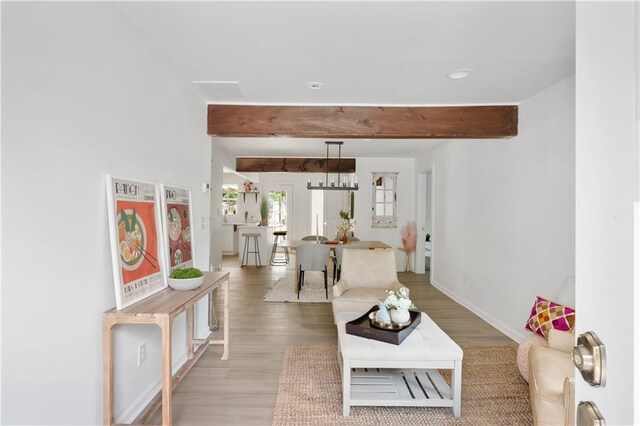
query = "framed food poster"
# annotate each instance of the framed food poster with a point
(136, 240)
(177, 222)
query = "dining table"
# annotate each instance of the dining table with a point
(292, 244)
(332, 244)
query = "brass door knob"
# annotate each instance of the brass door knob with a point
(582, 358)
(590, 359)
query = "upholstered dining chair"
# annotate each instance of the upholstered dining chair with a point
(312, 257)
(365, 276)
(337, 260)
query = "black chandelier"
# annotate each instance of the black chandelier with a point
(333, 185)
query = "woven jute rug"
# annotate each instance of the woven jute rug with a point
(312, 291)
(493, 392)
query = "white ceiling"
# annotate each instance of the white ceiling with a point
(390, 53)
(297, 147)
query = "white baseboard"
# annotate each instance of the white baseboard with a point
(516, 335)
(129, 414)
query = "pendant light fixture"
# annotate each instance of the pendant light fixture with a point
(340, 185)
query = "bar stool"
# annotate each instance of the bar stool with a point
(246, 252)
(274, 250)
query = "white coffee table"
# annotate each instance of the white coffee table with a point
(382, 374)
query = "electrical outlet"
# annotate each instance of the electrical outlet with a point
(142, 353)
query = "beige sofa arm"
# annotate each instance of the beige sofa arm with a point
(568, 399)
(343, 285)
(561, 340)
(340, 287)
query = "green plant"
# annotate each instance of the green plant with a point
(344, 215)
(264, 208)
(185, 273)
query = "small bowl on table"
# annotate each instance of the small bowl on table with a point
(185, 283)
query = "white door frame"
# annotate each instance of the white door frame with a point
(636, 213)
(421, 218)
(267, 187)
(606, 196)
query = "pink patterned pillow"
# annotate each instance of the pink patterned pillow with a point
(546, 315)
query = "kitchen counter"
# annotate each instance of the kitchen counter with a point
(236, 225)
(230, 237)
(263, 243)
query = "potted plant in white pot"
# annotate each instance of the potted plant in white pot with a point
(264, 211)
(186, 279)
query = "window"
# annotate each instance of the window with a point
(383, 210)
(229, 201)
(277, 208)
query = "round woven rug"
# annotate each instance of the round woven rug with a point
(493, 392)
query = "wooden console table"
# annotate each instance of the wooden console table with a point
(161, 309)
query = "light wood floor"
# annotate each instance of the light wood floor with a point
(242, 390)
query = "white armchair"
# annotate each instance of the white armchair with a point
(366, 274)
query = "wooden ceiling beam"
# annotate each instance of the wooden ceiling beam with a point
(330, 122)
(294, 165)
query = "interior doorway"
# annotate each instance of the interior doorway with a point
(334, 203)
(280, 202)
(316, 221)
(425, 221)
(277, 203)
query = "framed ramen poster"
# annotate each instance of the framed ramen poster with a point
(136, 240)
(177, 222)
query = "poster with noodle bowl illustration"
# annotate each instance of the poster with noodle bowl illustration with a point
(177, 227)
(138, 264)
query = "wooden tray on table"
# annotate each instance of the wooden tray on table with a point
(362, 327)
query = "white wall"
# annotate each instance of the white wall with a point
(300, 199)
(405, 200)
(83, 96)
(1, 275)
(428, 205)
(219, 158)
(333, 202)
(317, 212)
(504, 212)
(303, 222)
(247, 203)
(606, 155)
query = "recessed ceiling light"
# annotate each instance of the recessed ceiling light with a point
(460, 74)
(315, 85)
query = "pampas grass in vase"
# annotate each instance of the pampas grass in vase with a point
(409, 237)
(409, 241)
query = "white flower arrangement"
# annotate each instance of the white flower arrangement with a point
(398, 300)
